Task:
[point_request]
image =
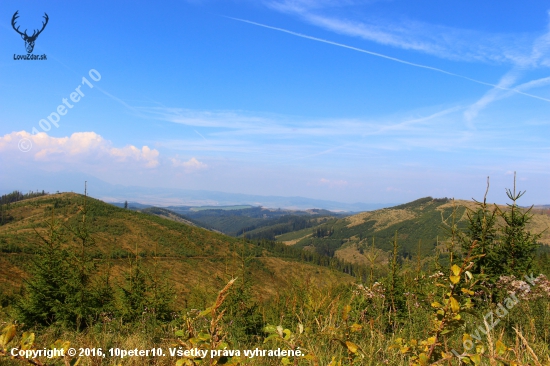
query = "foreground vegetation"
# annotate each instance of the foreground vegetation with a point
(483, 299)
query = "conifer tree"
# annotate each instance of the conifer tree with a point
(145, 293)
(395, 287)
(64, 287)
(516, 252)
(483, 231)
(46, 295)
(134, 294)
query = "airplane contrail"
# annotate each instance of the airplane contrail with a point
(386, 57)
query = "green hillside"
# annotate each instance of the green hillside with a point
(254, 222)
(425, 221)
(189, 255)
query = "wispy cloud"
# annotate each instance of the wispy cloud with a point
(437, 40)
(389, 58)
(505, 82)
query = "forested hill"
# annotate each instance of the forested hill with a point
(254, 222)
(190, 256)
(421, 224)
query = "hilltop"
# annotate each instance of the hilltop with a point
(191, 257)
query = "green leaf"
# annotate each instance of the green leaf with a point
(206, 312)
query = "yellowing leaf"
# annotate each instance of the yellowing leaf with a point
(455, 306)
(7, 335)
(501, 348)
(345, 314)
(356, 327)
(456, 270)
(352, 347)
(287, 333)
(476, 359)
(423, 359)
(435, 304)
(27, 340)
(455, 279)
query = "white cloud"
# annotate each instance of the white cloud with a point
(79, 148)
(191, 165)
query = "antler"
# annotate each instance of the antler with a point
(35, 34)
(13, 19)
(43, 23)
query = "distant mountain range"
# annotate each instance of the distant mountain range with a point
(163, 197)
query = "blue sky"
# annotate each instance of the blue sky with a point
(353, 101)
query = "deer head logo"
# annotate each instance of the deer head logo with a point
(29, 40)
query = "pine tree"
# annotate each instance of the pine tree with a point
(145, 293)
(46, 291)
(483, 231)
(516, 252)
(397, 302)
(133, 297)
(64, 287)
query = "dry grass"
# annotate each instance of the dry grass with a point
(384, 218)
(292, 242)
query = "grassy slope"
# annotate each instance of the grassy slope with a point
(189, 256)
(418, 220)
